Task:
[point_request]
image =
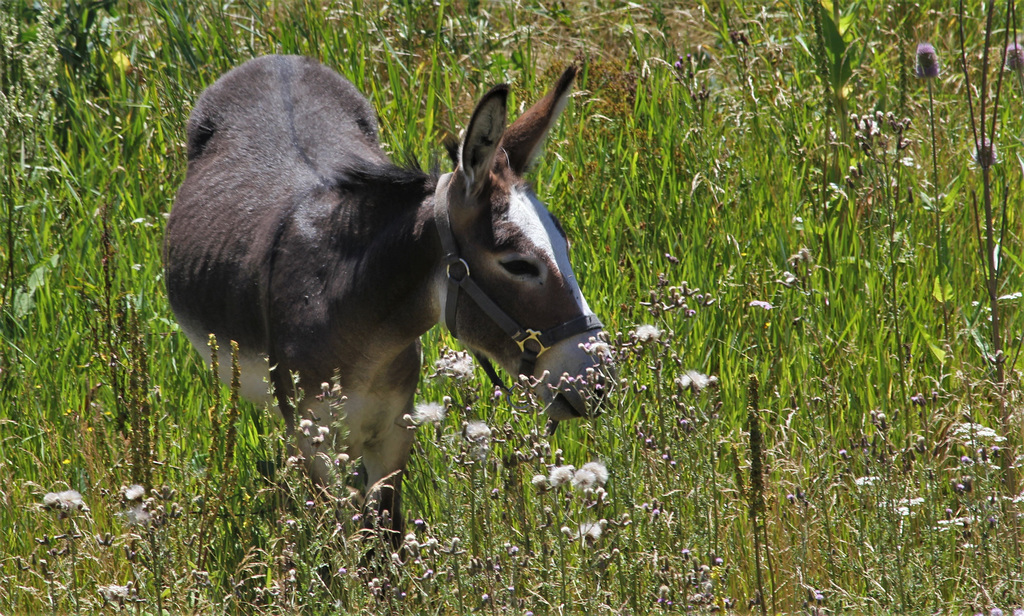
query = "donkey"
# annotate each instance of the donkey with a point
(294, 235)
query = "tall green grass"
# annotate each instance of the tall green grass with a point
(715, 189)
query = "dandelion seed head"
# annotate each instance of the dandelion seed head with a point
(599, 470)
(455, 364)
(134, 492)
(695, 381)
(646, 334)
(561, 475)
(540, 482)
(590, 532)
(599, 349)
(428, 413)
(138, 516)
(113, 593)
(584, 480)
(68, 500)
(478, 434)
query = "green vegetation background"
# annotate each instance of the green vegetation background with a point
(721, 186)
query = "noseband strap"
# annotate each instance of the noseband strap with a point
(532, 343)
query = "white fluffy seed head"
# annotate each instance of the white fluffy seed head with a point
(428, 413)
(598, 470)
(134, 492)
(455, 364)
(68, 500)
(478, 434)
(584, 480)
(647, 333)
(695, 381)
(590, 532)
(561, 475)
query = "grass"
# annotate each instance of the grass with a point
(714, 191)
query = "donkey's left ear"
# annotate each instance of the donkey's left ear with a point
(524, 139)
(476, 156)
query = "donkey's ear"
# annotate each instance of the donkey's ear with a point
(525, 137)
(482, 137)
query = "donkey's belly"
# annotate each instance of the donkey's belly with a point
(373, 422)
(254, 370)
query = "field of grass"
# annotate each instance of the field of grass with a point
(811, 275)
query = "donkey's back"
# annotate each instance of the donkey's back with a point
(282, 110)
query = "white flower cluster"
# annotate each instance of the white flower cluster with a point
(589, 477)
(478, 435)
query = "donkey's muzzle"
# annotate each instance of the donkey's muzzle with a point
(575, 378)
(578, 397)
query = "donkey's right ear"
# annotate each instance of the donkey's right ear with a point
(476, 156)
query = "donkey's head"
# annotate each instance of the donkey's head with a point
(508, 289)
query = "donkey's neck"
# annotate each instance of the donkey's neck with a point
(398, 276)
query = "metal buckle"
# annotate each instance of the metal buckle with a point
(534, 335)
(465, 266)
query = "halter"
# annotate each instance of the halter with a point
(532, 343)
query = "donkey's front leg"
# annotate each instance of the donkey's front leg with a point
(384, 462)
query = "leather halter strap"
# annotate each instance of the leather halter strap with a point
(532, 343)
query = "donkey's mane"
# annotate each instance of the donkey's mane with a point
(407, 184)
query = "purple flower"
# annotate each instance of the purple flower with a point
(927, 61)
(985, 152)
(760, 304)
(1014, 57)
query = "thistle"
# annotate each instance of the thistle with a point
(927, 61)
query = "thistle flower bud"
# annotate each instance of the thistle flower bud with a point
(927, 61)
(1014, 58)
(985, 152)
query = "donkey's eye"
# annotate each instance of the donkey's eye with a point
(521, 267)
